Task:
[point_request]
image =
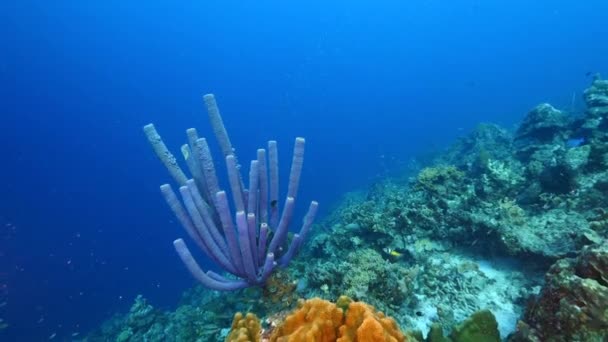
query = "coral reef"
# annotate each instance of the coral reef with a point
(457, 252)
(473, 151)
(544, 125)
(531, 196)
(573, 304)
(189, 322)
(363, 275)
(439, 180)
(596, 98)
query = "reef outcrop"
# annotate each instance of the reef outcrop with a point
(573, 304)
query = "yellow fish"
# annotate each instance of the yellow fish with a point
(392, 252)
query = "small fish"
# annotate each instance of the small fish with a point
(273, 203)
(52, 336)
(392, 252)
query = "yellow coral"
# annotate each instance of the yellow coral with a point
(245, 328)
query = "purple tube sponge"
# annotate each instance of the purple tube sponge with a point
(249, 243)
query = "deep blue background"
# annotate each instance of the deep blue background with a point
(83, 228)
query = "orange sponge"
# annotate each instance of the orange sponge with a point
(364, 324)
(320, 320)
(314, 320)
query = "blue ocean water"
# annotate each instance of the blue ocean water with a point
(371, 85)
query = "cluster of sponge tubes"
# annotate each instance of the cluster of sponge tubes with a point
(251, 243)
